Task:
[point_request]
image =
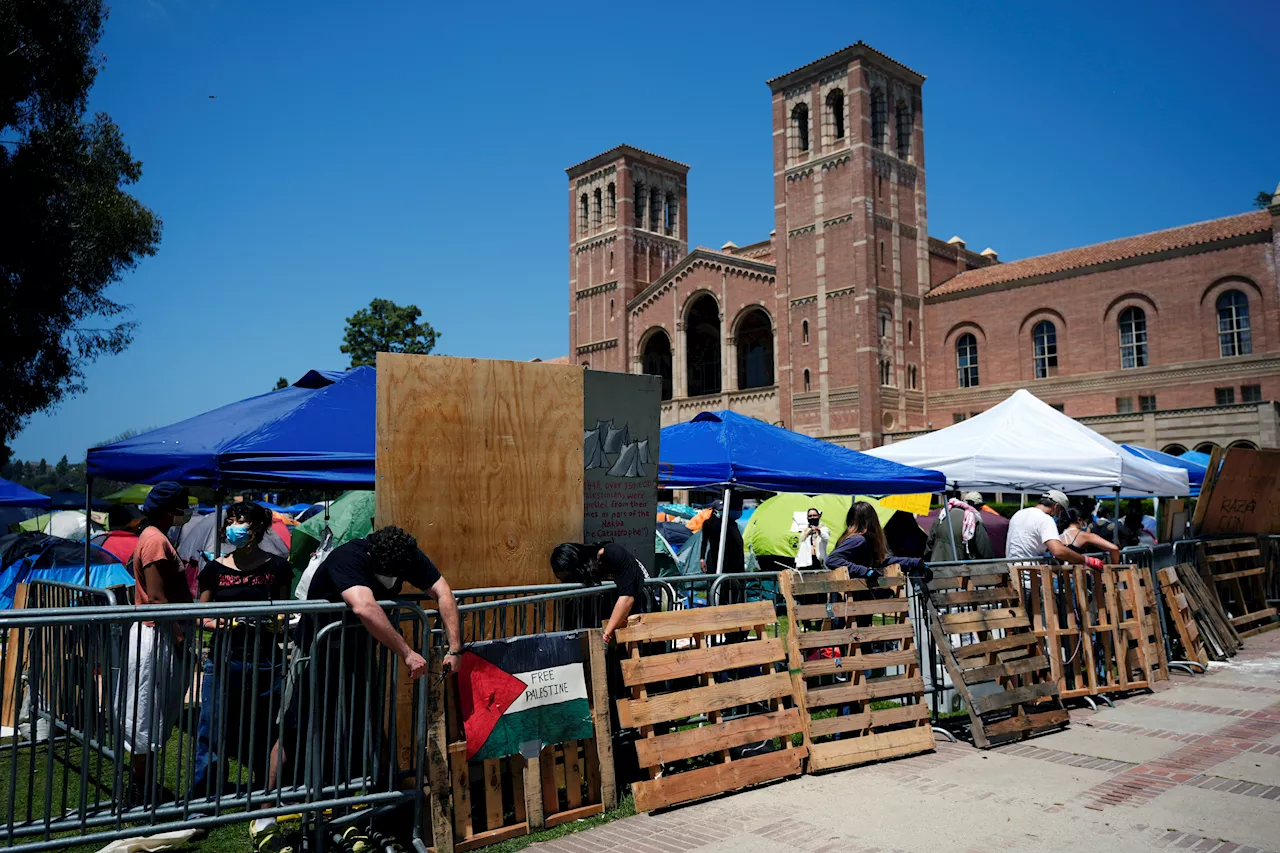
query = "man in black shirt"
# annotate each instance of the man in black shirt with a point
(575, 562)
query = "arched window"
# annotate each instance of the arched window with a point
(1173, 449)
(1133, 338)
(885, 323)
(655, 360)
(913, 377)
(599, 212)
(656, 199)
(903, 130)
(610, 307)
(806, 379)
(642, 199)
(1234, 337)
(886, 371)
(669, 223)
(1044, 340)
(584, 213)
(910, 332)
(611, 211)
(835, 111)
(754, 339)
(1206, 447)
(702, 346)
(800, 127)
(804, 331)
(1245, 443)
(967, 361)
(879, 118)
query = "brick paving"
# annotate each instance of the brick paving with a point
(1104, 792)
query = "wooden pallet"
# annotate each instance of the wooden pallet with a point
(843, 640)
(697, 677)
(1235, 571)
(977, 620)
(1100, 628)
(1184, 622)
(1222, 640)
(477, 803)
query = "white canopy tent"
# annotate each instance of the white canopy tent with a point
(1025, 445)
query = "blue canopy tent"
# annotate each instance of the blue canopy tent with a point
(11, 494)
(26, 557)
(1197, 457)
(1195, 470)
(727, 450)
(319, 430)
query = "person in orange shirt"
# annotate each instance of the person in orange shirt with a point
(150, 680)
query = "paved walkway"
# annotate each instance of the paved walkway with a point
(1196, 766)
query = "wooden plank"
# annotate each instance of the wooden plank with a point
(1206, 491)
(1000, 644)
(1243, 573)
(840, 586)
(795, 658)
(550, 790)
(870, 719)
(687, 662)
(675, 746)
(600, 721)
(437, 757)
(515, 768)
(573, 774)
(1017, 696)
(847, 609)
(591, 766)
(633, 713)
(1022, 666)
(839, 694)
(994, 595)
(717, 779)
(580, 813)
(969, 570)
(492, 836)
(677, 624)
(504, 435)
(876, 746)
(1253, 617)
(985, 620)
(492, 793)
(533, 805)
(1231, 555)
(1029, 724)
(846, 636)
(880, 660)
(461, 770)
(1246, 495)
(14, 663)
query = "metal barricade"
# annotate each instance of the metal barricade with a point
(216, 714)
(1270, 547)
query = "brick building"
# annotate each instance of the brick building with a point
(851, 323)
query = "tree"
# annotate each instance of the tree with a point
(1263, 199)
(70, 230)
(62, 468)
(386, 327)
(281, 383)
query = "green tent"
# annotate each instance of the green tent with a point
(350, 517)
(769, 529)
(136, 494)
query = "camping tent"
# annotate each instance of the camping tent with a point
(1195, 471)
(25, 557)
(66, 524)
(11, 494)
(728, 449)
(350, 517)
(318, 430)
(1025, 445)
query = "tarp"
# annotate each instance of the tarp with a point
(318, 430)
(1195, 471)
(11, 494)
(725, 448)
(1201, 459)
(26, 557)
(1025, 445)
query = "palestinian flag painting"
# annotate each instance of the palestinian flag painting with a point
(521, 690)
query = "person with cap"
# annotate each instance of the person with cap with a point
(959, 533)
(121, 536)
(151, 684)
(1034, 530)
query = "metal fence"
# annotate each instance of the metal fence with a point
(152, 719)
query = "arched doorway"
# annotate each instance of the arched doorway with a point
(702, 343)
(1173, 449)
(754, 339)
(1205, 447)
(1245, 443)
(656, 359)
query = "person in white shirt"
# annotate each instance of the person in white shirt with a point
(814, 536)
(1034, 530)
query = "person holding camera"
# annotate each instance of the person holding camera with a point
(814, 537)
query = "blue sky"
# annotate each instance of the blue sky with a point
(416, 151)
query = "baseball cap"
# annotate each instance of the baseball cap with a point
(165, 495)
(973, 497)
(1057, 497)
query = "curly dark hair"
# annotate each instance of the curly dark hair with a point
(255, 515)
(393, 549)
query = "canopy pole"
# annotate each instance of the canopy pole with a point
(724, 530)
(88, 522)
(1022, 500)
(217, 523)
(1115, 526)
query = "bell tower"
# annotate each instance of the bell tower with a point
(628, 224)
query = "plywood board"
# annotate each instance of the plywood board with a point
(1246, 496)
(482, 462)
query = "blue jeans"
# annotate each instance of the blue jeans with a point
(236, 712)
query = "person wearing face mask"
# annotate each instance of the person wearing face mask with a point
(236, 680)
(149, 689)
(814, 537)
